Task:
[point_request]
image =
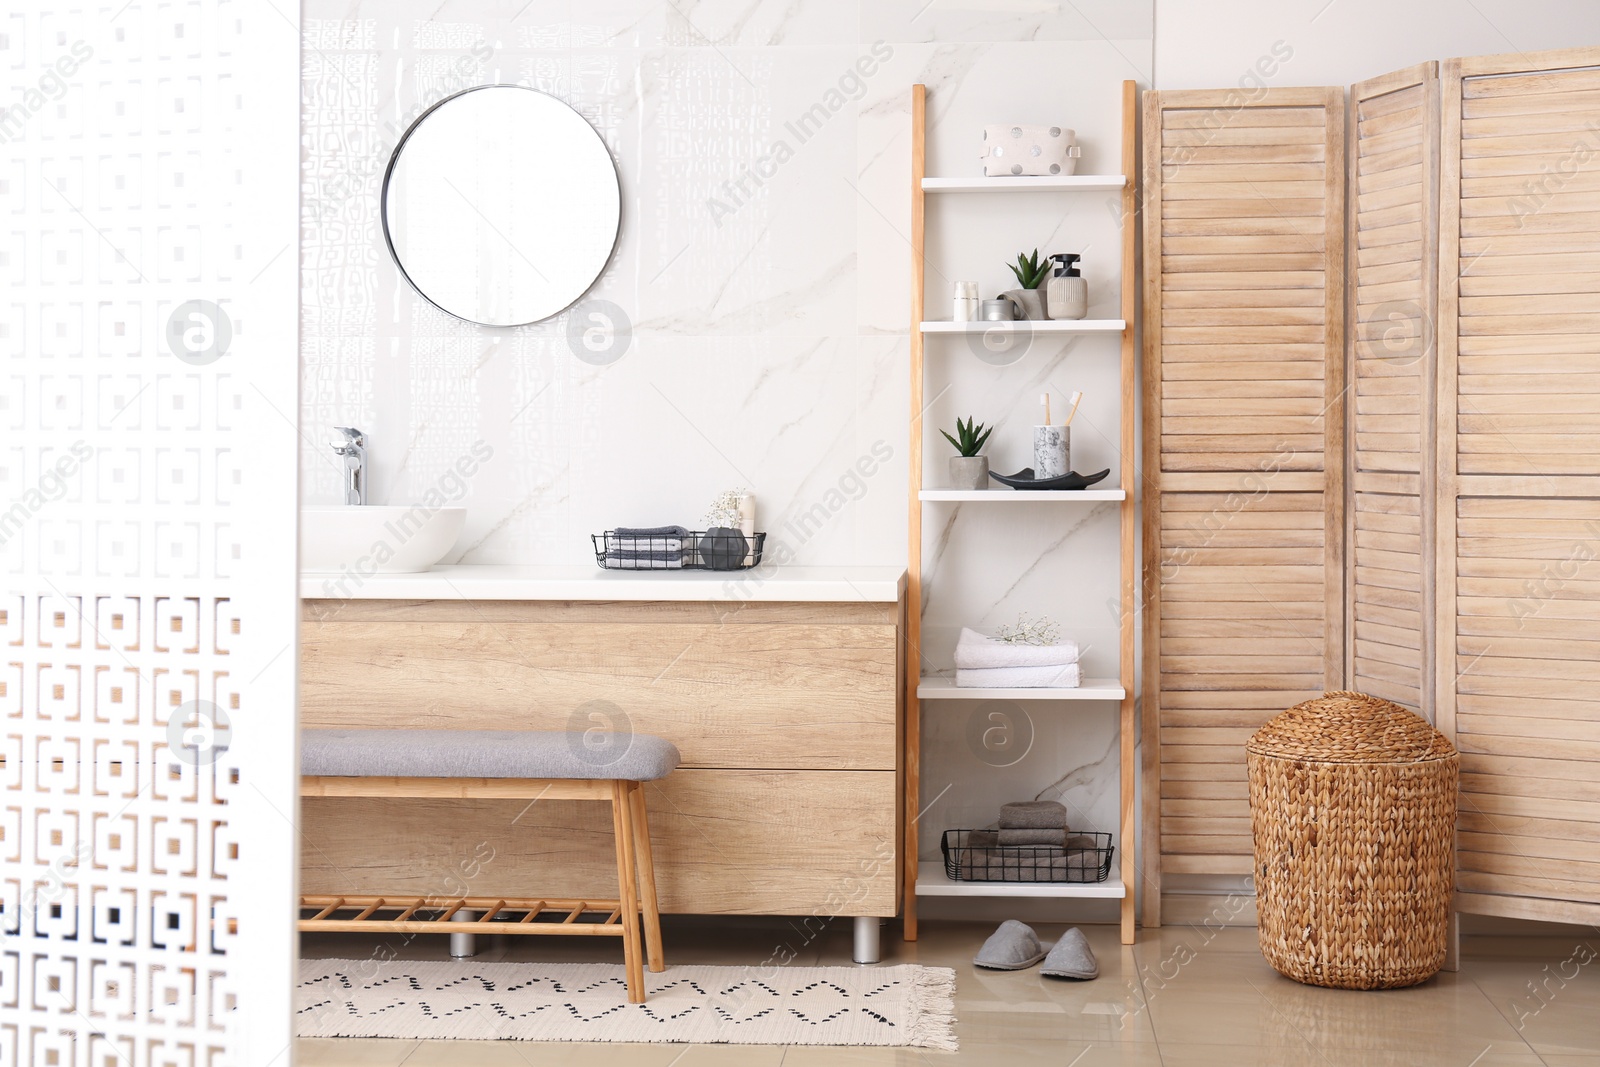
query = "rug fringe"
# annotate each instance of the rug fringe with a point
(934, 995)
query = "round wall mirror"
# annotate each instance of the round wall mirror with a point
(501, 205)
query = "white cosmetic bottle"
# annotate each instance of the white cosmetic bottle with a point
(965, 306)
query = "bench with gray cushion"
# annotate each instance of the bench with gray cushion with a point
(500, 764)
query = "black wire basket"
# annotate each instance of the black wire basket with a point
(710, 550)
(1086, 858)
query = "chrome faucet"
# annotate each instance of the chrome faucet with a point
(352, 449)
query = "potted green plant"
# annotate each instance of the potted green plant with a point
(1032, 274)
(969, 470)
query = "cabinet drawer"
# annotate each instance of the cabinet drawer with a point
(762, 689)
(725, 842)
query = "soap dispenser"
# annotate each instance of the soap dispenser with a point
(1067, 293)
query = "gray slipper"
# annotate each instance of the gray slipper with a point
(1071, 958)
(1013, 947)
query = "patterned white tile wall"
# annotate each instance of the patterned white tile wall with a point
(768, 301)
(148, 205)
(741, 302)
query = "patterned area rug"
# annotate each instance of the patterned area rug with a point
(908, 1005)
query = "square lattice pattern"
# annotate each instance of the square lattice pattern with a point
(141, 274)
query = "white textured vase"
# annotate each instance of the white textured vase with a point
(1052, 451)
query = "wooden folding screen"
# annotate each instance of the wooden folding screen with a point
(1519, 478)
(1243, 448)
(1393, 269)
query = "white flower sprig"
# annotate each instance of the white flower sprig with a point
(1042, 631)
(724, 510)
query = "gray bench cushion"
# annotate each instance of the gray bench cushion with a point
(338, 753)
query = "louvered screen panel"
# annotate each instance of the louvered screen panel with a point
(1519, 503)
(1393, 236)
(1244, 335)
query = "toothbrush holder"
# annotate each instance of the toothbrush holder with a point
(1052, 451)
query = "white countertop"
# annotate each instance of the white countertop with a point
(490, 582)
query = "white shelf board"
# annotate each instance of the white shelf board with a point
(1024, 496)
(1082, 182)
(1034, 326)
(932, 882)
(943, 687)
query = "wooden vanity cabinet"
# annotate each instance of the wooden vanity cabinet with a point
(787, 716)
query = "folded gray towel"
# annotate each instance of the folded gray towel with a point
(1011, 836)
(645, 554)
(1017, 865)
(980, 839)
(664, 539)
(1033, 815)
(1082, 841)
(650, 531)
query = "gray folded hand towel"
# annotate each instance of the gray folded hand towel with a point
(1032, 836)
(1025, 864)
(980, 839)
(1033, 815)
(653, 539)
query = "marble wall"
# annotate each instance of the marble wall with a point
(767, 294)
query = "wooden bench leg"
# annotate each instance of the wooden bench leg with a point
(647, 878)
(627, 883)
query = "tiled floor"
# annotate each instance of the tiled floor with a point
(1181, 997)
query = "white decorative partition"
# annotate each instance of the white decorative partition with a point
(148, 251)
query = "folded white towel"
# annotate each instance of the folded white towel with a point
(615, 562)
(1056, 676)
(975, 651)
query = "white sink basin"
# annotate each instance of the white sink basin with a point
(376, 539)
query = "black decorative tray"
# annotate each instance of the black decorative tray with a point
(1024, 479)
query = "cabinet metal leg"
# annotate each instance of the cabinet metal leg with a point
(464, 945)
(867, 939)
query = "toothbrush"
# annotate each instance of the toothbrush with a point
(1077, 398)
(1044, 398)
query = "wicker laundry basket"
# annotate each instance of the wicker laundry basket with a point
(1353, 808)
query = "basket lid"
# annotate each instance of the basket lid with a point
(1345, 727)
